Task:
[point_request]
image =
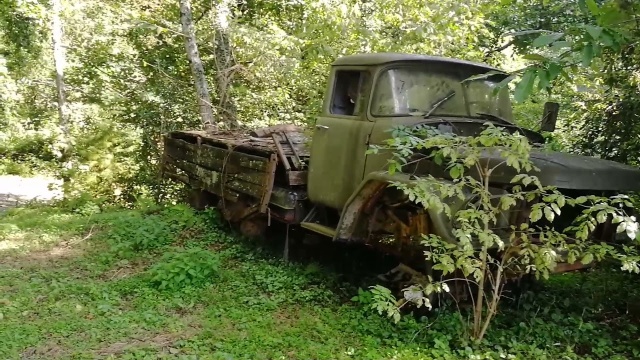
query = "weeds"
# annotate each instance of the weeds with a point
(185, 268)
(224, 298)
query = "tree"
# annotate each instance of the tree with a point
(587, 52)
(197, 69)
(225, 61)
(59, 60)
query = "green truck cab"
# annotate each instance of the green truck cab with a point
(330, 185)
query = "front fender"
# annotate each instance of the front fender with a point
(369, 188)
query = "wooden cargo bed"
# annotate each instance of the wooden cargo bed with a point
(238, 165)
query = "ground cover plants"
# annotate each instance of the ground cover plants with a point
(169, 282)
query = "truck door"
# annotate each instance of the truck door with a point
(340, 138)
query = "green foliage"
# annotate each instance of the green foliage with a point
(99, 304)
(30, 149)
(590, 69)
(384, 303)
(187, 268)
(128, 79)
(152, 232)
(481, 247)
(363, 298)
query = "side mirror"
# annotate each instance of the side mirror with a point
(549, 116)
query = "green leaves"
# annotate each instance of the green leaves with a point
(456, 171)
(477, 210)
(549, 214)
(546, 39)
(185, 268)
(587, 55)
(587, 259)
(384, 302)
(594, 31)
(525, 86)
(536, 214)
(536, 57)
(592, 6)
(507, 202)
(554, 53)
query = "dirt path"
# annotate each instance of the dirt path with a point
(16, 190)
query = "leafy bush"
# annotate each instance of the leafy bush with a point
(25, 150)
(477, 247)
(138, 234)
(161, 227)
(185, 268)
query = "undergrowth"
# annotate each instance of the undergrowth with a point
(168, 282)
(182, 268)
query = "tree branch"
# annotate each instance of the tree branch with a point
(498, 49)
(204, 12)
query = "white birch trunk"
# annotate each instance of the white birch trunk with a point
(202, 90)
(59, 61)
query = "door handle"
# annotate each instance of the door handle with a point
(321, 127)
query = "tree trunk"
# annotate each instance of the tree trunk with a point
(58, 60)
(59, 64)
(202, 90)
(225, 61)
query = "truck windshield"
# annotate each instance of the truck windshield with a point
(414, 90)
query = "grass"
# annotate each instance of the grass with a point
(80, 284)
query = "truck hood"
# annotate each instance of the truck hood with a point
(562, 170)
(576, 172)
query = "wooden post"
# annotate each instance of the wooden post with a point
(286, 245)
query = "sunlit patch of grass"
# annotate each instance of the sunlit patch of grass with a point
(40, 228)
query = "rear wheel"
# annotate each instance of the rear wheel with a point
(201, 199)
(253, 227)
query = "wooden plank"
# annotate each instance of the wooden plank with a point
(215, 179)
(213, 157)
(264, 202)
(239, 141)
(231, 171)
(297, 177)
(243, 141)
(253, 190)
(170, 168)
(219, 154)
(283, 158)
(297, 162)
(266, 131)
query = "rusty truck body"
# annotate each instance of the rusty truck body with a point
(327, 183)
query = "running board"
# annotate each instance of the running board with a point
(320, 229)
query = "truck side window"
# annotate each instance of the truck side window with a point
(347, 92)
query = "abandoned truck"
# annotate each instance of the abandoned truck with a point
(329, 185)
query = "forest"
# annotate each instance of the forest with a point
(110, 261)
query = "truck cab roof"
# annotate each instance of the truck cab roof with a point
(386, 58)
